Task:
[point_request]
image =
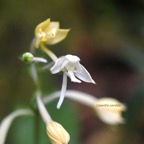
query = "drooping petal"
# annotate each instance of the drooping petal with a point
(6, 123)
(63, 90)
(42, 26)
(83, 74)
(72, 77)
(57, 66)
(60, 35)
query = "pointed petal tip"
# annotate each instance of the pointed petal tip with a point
(94, 82)
(68, 30)
(65, 30)
(58, 106)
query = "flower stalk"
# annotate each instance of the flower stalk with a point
(55, 131)
(48, 52)
(109, 110)
(43, 112)
(81, 97)
(29, 58)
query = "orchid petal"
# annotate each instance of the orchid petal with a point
(63, 90)
(72, 77)
(60, 35)
(84, 75)
(53, 26)
(78, 67)
(57, 66)
(42, 26)
(72, 58)
(6, 123)
(65, 63)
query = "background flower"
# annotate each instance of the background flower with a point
(110, 110)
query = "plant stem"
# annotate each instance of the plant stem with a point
(63, 90)
(48, 52)
(37, 128)
(37, 122)
(34, 75)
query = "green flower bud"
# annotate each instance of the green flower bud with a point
(27, 57)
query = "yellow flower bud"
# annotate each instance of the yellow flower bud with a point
(57, 134)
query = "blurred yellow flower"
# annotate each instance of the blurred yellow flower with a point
(57, 134)
(49, 33)
(110, 110)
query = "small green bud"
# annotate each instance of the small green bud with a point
(27, 57)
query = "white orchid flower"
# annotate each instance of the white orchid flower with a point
(7, 121)
(70, 65)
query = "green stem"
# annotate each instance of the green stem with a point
(37, 128)
(37, 85)
(48, 52)
(37, 122)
